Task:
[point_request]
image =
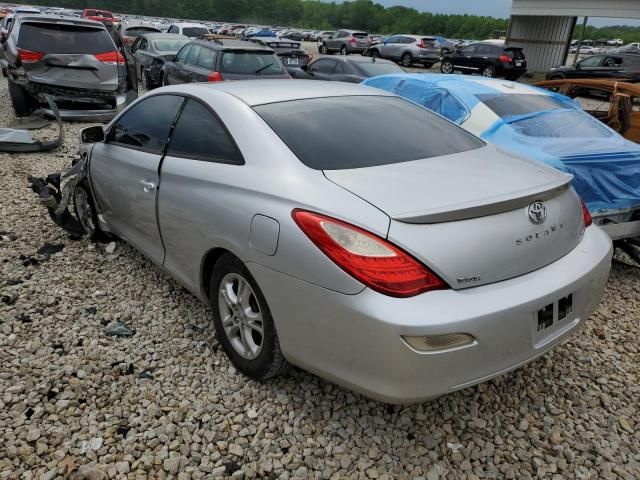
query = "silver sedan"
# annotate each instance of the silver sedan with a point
(347, 231)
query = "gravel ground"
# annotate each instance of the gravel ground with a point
(166, 403)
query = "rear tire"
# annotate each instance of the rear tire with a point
(406, 60)
(22, 102)
(343, 50)
(489, 71)
(375, 54)
(255, 354)
(446, 66)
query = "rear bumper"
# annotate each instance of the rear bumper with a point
(91, 115)
(356, 340)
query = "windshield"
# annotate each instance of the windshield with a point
(251, 63)
(137, 31)
(170, 44)
(373, 69)
(194, 31)
(321, 131)
(64, 39)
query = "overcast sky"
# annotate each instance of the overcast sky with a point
(493, 8)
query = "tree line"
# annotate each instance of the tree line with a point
(315, 14)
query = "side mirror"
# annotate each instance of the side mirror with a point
(92, 134)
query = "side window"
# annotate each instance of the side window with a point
(137, 45)
(144, 44)
(340, 68)
(470, 50)
(323, 66)
(591, 62)
(407, 40)
(393, 39)
(613, 62)
(194, 53)
(206, 59)
(172, 29)
(182, 54)
(201, 136)
(147, 125)
(343, 34)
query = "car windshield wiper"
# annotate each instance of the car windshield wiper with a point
(263, 68)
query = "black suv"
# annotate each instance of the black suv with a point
(215, 61)
(610, 65)
(487, 59)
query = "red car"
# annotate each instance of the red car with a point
(100, 15)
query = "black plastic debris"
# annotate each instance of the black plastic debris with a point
(8, 236)
(118, 329)
(50, 248)
(11, 282)
(123, 430)
(28, 261)
(21, 140)
(8, 297)
(24, 318)
(231, 467)
(146, 375)
(29, 413)
(91, 310)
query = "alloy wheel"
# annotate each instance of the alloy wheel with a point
(447, 67)
(241, 316)
(488, 72)
(84, 211)
(406, 60)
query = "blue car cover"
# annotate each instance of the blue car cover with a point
(554, 129)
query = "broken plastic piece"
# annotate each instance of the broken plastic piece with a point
(20, 140)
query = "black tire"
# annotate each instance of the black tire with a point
(323, 49)
(446, 66)
(375, 54)
(4, 73)
(489, 71)
(344, 51)
(22, 102)
(85, 210)
(406, 60)
(269, 362)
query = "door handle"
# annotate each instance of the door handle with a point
(147, 186)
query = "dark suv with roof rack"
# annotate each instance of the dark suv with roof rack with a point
(80, 63)
(216, 61)
(487, 59)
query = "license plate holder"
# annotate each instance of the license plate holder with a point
(292, 61)
(553, 316)
(518, 63)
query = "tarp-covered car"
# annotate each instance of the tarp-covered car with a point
(544, 126)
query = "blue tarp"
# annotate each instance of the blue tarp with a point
(605, 166)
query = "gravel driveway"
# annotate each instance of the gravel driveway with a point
(165, 403)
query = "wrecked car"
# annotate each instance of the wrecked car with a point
(315, 253)
(622, 102)
(75, 61)
(151, 51)
(544, 126)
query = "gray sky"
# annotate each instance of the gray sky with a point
(493, 8)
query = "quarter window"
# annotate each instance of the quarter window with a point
(146, 125)
(182, 54)
(206, 59)
(194, 53)
(201, 136)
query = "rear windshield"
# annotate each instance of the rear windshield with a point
(250, 63)
(64, 39)
(360, 34)
(99, 13)
(515, 104)
(170, 45)
(137, 31)
(194, 31)
(283, 45)
(373, 69)
(363, 131)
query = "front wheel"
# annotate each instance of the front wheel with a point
(86, 212)
(406, 60)
(446, 66)
(489, 71)
(243, 321)
(323, 49)
(375, 53)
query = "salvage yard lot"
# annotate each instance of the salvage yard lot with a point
(166, 402)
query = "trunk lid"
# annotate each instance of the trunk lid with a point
(466, 216)
(67, 56)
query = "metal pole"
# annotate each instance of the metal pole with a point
(584, 27)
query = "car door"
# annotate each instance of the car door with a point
(481, 57)
(389, 48)
(196, 205)
(587, 67)
(463, 58)
(188, 72)
(335, 42)
(124, 171)
(322, 69)
(173, 68)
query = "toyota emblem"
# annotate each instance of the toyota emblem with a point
(537, 212)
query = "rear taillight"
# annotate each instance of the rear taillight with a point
(420, 45)
(111, 58)
(586, 216)
(27, 56)
(505, 58)
(214, 77)
(352, 40)
(368, 258)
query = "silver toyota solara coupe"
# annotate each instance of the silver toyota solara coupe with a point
(347, 231)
